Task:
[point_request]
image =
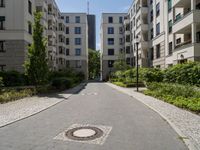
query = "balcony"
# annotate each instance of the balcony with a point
(186, 20)
(142, 28)
(51, 33)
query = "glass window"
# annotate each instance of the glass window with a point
(2, 22)
(67, 41)
(77, 30)
(77, 41)
(2, 46)
(111, 51)
(110, 19)
(30, 7)
(67, 19)
(78, 19)
(157, 29)
(2, 3)
(78, 63)
(110, 30)
(67, 30)
(110, 41)
(169, 5)
(158, 51)
(158, 9)
(67, 52)
(111, 63)
(170, 48)
(120, 19)
(78, 51)
(170, 26)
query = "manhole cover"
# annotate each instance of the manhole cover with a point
(84, 133)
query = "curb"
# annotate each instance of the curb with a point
(188, 142)
(80, 86)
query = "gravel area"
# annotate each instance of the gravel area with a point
(20, 109)
(185, 123)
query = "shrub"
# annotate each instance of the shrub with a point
(183, 96)
(13, 78)
(62, 83)
(1, 82)
(12, 95)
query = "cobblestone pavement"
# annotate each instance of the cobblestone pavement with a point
(186, 124)
(17, 110)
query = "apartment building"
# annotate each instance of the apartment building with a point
(168, 32)
(112, 41)
(15, 32)
(67, 34)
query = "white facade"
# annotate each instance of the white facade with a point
(168, 32)
(65, 49)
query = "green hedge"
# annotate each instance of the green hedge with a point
(183, 96)
(62, 83)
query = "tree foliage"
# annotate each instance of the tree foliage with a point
(36, 66)
(94, 63)
(120, 64)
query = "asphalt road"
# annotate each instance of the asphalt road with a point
(134, 126)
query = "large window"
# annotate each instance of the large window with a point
(152, 33)
(110, 30)
(110, 19)
(78, 63)
(158, 51)
(30, 7)
(158, 9)
(67, 30)
(169, 5)
(67, 41)
(67, 52)
(78, 51)
(157, 29)
(2, 22)
(77, 41)
(2, 3)
(2, 46)
(29, 27)
(170, 48)
(111, 63)
(67, 19)
(111, 52)
(77, 30)
(120, 19)
(170, 26)
(151, 17)
(78, 19)
(111, 41)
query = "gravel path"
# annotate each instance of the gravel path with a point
(20, 109)
(186, 124)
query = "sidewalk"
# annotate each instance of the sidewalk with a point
(185, 123)
(20, 109)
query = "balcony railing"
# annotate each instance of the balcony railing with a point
(183, 44)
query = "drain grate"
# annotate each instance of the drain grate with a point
(84, 133)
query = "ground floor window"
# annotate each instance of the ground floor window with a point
(111, 63)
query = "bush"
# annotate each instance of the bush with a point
(188, 73)
(62, 83)
(1, 82)
(13, 78)
(183, 96)
(12, 95)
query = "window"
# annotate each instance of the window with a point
(78, 63)
(67, 30)
(158, 51)
(151, 2)
(30, 7)
(152, 53)
(170, 48)
(110, 30)
(67, 52)
(67, 63)
(67, 41)
(111, 52)
(78, 51)
(111, 41)
(120, 30)
(169, 5)
(77, 30)
(111, 63)
(152, 33)
(2, 46)
(128, 61)
(170, 26)
(67, 19)
(157, 29)
(120, 19)
(128, 50)
(2, 3)
(110, 19)
(78, 19)
(158, 9)
(2, 67)
(121, 41)
(2, 22)
(29, 28)
(178, 17)
(151, 17)
(77, 41)
(178, 41)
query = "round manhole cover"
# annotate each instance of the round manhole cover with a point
(84, 133)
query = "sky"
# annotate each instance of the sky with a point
(96, 7)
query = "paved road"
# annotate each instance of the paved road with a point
(134, 126)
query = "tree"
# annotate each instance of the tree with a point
(94, 63)
(36, 66)
(120, 64)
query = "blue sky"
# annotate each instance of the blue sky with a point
(96, 7)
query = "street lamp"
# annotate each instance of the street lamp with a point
(137, 61)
